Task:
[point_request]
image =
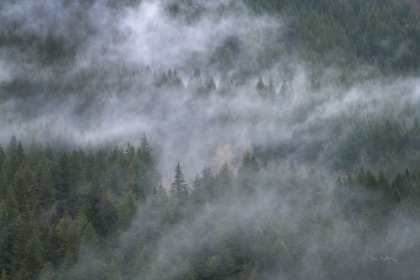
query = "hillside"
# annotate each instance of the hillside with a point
(181, 139)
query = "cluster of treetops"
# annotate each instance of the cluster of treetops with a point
(385, 34)
(382, 33)
(55, 205)
(203, 85)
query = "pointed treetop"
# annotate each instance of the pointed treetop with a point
(13, 145)
(179, 188)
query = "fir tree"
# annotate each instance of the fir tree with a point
(179, 189)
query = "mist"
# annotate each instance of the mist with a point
(207, 83)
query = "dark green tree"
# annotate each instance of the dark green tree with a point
(179, 189)
(126, 209)
(13, 145)
(148, 174)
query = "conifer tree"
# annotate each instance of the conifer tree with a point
(225, 181)
(133, 183)
(199, 194)
(44, 187)
(17, 157)
(4, 275)
(33, 257)
(209, 83)
(47, 272)
(144, 153)
(195, 82)
(160, 197)
(260, 85)
(247, 174)
(284, 91)
(126, 209)
(179, 189)
(271, 90)
(148, 174)
(12, 149)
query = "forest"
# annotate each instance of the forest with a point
(228, 139)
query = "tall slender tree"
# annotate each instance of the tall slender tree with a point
(179, 190)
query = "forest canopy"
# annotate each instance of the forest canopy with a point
(182, 139)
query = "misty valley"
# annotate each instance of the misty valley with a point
(182, 139)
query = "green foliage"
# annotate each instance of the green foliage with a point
(126, 209)
(179, 187)
(204, 189)
(227, 227)
(382, 33)
(104, 212)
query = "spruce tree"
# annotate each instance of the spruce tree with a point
(148, 174)
(225, 180)
(179, 190)
(247, 174)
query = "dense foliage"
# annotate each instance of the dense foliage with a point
(383, 33)
(103, 214)
(298, 116)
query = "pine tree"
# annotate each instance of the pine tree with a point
(44, 187)
(133, 183)
(179, 190)
(67, 241)
(247, 174)
(209, 83)
(86, 235)
(100, 210)
(17, 157)
(4, 170)
(195, 82)
(260, 85)
(199, 194)
(2, 157)
(33, 256)
(47, 272)
(144, 153)
(283, 93)
(12, 149)
(113, 271)
(4, 275)
(225, 181)
(271, 90)
(126, 209)
(208, 182)
(148, 174)
(23, 183)
(160, 197)
(9, 225)
(64, 185)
